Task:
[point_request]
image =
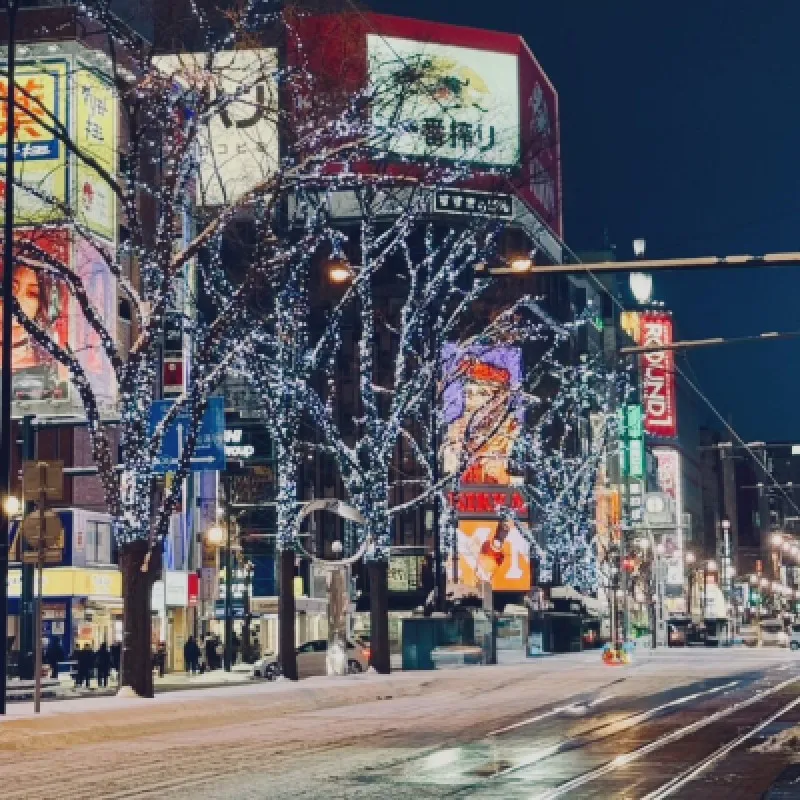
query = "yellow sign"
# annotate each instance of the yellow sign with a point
(41, 155)
(72, 582)
(95, 137)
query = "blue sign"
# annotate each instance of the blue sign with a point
(209, 451)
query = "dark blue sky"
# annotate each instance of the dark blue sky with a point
(681, 123)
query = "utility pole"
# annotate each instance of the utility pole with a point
(228, 652)
(5, 380)
(764, 519)
(729, 498)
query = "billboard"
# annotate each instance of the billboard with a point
(36, 375)
(101, 288)
(479, 412)
(540, 141)
(658, 375)
(463, 102)
(95, 112)
(495, 551)
(41, 157)
(668, 461)
(238, 148)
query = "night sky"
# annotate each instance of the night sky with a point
(681, 124)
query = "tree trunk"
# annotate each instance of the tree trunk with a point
(137, 657)
(380, 656)
(286, 617)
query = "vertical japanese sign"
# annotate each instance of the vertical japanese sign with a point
(658, 375)
(95, 110)
(540, 141)
(632, 446)
(101, 288)
(238, 148)
(41, 157)
(668, 462)
(463, 103)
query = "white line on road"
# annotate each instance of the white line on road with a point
(626, 758)
(570, 709)
(693, 772)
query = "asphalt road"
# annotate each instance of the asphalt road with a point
(685, 725)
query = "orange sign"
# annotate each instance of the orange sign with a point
(495, 551)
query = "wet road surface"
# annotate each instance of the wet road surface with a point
(688, 725)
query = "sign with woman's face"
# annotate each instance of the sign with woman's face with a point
(37, 376)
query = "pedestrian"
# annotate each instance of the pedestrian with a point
(54, 655)
(161, 657)
(211, 652)
(103, 662)
(116, 649)
(85, 658)
(191, 655)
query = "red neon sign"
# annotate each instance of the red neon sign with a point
(658, 375)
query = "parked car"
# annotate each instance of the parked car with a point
(311, 660)
(773, 634)
(794, 638)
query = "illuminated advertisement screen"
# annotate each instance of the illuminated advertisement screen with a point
(462, 104)
(668, 461)
(239, 146)
(479, 412)
(41, 157)
(36, 375)
(494, 551)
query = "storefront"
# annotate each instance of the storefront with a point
(173, 614)
(80, 606)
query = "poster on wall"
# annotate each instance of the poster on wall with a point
(479, 411)
(41, 157)
(238, 149)
(668, 461)
(494, 551)
(658, 375)
(36, 376)
(101, 288)
(464, 104)
(95, 111)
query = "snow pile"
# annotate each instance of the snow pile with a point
(787, 741)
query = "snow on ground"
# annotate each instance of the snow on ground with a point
(297, 737)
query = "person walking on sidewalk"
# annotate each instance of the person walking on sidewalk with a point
(211, 653)
(191, 655)
(54, 655)
(103, 662)
(85, 658)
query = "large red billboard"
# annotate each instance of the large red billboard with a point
(480, 98)
(658, 375)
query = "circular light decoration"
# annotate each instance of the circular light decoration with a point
(642, 287)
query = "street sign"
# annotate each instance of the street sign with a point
(34, 527)
(32, 480)
(209, 452)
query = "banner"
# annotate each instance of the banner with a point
(668, 462)
(101, 287)
(479, 412)
(95, 107)
(462, 104)
(36, 376)
(658, 375)
(41, 157)
(494, 551)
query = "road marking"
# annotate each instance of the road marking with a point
(693, 772)
(656, 744)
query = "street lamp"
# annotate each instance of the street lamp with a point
(12, 505)
(339, 270)
(216, 536)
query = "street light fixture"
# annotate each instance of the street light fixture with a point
(521, 263)
(215, 536)
(339, 270)
(12, 505)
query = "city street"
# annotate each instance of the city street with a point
(681, 723)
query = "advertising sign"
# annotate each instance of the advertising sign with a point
(668, 462)
(238, 149)
(95, 110)
(540, 136)
(479, 411)
(632, 445)
(494, 551)
(41, 157)
(101, 287)
(463, 104)
(658, 375)
(37, 376)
